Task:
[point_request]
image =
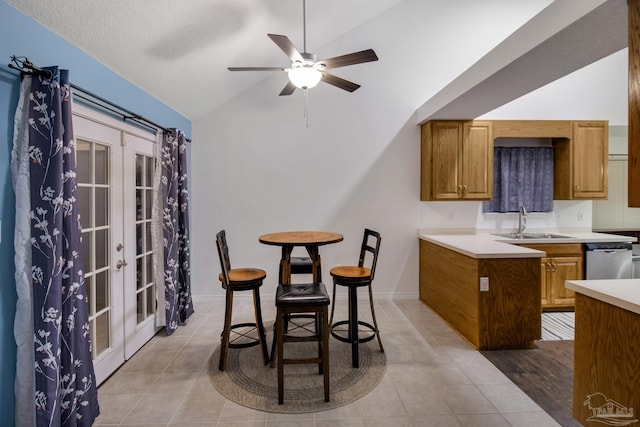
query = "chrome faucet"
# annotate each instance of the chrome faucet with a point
(522, 220)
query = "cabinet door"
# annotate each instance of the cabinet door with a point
(564, 268)
(590, 160)
(445, 160)
(545, 280)
(477, 161)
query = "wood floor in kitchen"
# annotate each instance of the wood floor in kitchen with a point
(544, 373)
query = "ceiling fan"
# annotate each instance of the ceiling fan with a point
(306, 70)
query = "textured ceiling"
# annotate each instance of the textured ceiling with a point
(178, 51)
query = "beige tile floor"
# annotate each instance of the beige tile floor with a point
(433, 378)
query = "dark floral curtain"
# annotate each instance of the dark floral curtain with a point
(523, 176)
(49, 261)
(175, 221)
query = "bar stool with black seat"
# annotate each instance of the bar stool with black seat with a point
(236, 280)
(296, 299)
(354, 277)
(300, 265)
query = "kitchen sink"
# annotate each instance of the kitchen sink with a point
(531, 235)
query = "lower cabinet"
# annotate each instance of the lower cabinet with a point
(504, 313)
(563, 262)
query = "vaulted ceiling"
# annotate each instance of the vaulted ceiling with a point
(179, 51)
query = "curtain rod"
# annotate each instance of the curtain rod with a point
(24, 66)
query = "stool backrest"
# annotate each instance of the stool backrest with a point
(223, 254)
(370, 245)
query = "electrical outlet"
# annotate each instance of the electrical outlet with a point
(580, 216)
(484, 284)
(452, 216)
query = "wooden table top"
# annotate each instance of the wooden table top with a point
(300, 238)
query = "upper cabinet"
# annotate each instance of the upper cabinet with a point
(581, 164)
(457, 157)
(457, 160)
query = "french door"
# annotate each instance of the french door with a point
(115, 174)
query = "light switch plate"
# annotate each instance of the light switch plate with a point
(484, 284)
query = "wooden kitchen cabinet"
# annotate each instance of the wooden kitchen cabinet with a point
(606, 363)
(581, 163)
(457, 160)
(506, 314)
(563, 262)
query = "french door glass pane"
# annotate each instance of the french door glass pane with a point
(102, 164)
(101, 243)
(102, 287)
(138, 204)
(83, 155)
(87, 244)
(149, 203)
(139, 275)
(139, 170)
(84, 201)
(101, 206)
(102, 327)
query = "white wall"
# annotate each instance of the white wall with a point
(596, 92)
(257, 168)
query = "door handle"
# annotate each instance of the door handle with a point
(121, 263)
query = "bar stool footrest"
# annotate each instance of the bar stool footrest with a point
(369, 329)
(251, 341)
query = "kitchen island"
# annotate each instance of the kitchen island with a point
(606, 377)
(488, 287)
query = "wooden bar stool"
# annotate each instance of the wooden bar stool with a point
(236, 280)
(297, 299)
(354, 277)
(299, 266)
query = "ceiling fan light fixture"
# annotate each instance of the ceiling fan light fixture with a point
(306, 71)
(304, 76)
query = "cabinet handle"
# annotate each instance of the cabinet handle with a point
(459, 189)
(464, 189)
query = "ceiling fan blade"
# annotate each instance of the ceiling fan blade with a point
(255, 69)
(350, 59)
(288, 89)
(339, 82)
(287, 47)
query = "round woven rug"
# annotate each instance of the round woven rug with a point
(248, 382)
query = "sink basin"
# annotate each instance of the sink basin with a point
(532, 236)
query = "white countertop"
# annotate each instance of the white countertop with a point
(486, 245)
(623, 293)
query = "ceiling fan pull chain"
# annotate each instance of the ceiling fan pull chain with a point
(306, 106)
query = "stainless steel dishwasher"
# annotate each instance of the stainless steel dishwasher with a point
(608, 261)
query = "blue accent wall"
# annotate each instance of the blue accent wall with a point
(22, 36)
